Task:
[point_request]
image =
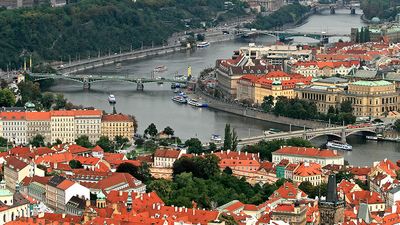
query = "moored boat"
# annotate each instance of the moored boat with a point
(179, 99)
(216, 138)
(194, 102)
(111, 99)
(161, 68)
(203, 44)
(339, 145)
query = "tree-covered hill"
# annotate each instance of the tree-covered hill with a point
(90, 26)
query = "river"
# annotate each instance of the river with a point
(154, 104)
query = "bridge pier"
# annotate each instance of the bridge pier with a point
(333, 10)
(140, 86)
(352, 11)
(86, 84)
(343, 136)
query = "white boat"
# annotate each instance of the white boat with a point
(216, 138)
(372, 138)
(111, 99)
(203, 44)
(339, 145)
(194, 102)
(159, 69)
(179, 99)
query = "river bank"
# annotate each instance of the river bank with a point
(255, 113)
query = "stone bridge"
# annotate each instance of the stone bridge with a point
(87, 80)
(338, 132)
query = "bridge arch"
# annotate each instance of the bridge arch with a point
(332, 135)
(364, 132)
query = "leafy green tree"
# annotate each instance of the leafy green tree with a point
(362, 185)
(83, 141)
(398, 174)
(37, 141)
(331, 110)
(7, 98)
(150, 146)
(151, 130)
(3, 142)
(194, 146)
(75, 164)
(169, 131)
(48, 100)
(346, 107)
(105, 143)
(139, 142)
(141, 172)
(268, 103)
(228, 170)
(120, 141)
(60, 102)
(397, 125)
(228, 219)
(344, 175)
(163, 188)
(228, 137)
(235, 141)
(29, 92)
(212, 147)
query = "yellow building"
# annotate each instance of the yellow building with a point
(118, 125)
(276, 83)
(368, 98)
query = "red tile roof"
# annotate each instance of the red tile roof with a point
(310, 152)
(77, 149)
(15, 163)
(65, 184)
(167, 153)
(368, 197)
(288, 191)
(117, 118)
(38, 116)
(116, 179)
(12, 116)
(308, 169)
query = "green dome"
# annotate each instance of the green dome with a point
(100, 195)
(375, 20)
(276, 82)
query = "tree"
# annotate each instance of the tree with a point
(234, 140)
(267, 103)
(121, 141)
(47, 100)
(228, 137)
(194, 146)
(105, 143)
(83, 141)
(141, 172)
(151, 130)
(60, 102)
(344, 175)
(228, 170)
(398, 174)
(169, 131)
(139, 142)
(212, 147)
(331, 110)
(7, 98)
(37, 141)
(29, 92)
(75, 164)
(346, 107)
(150, 146)
(3, 142)
(397, 125)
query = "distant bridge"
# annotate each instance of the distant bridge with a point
(339, 132)
(85, 64)
(288, 33)
(87, 80)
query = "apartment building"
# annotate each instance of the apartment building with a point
(38, 123)
(62, 126)
(13, 127)
(16, 170)
(118, 125)
(88, 122)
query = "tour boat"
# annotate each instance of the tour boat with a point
(194, 102)
(339, 145)
(378, 137)
(183, 94)
(203, 44)
(160, 69)
(216, 138)
(111, 99)
(179, 99)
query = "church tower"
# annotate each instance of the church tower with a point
(331, 209)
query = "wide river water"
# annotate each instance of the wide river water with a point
(154, 104)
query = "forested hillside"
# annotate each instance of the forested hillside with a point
(96, 25)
